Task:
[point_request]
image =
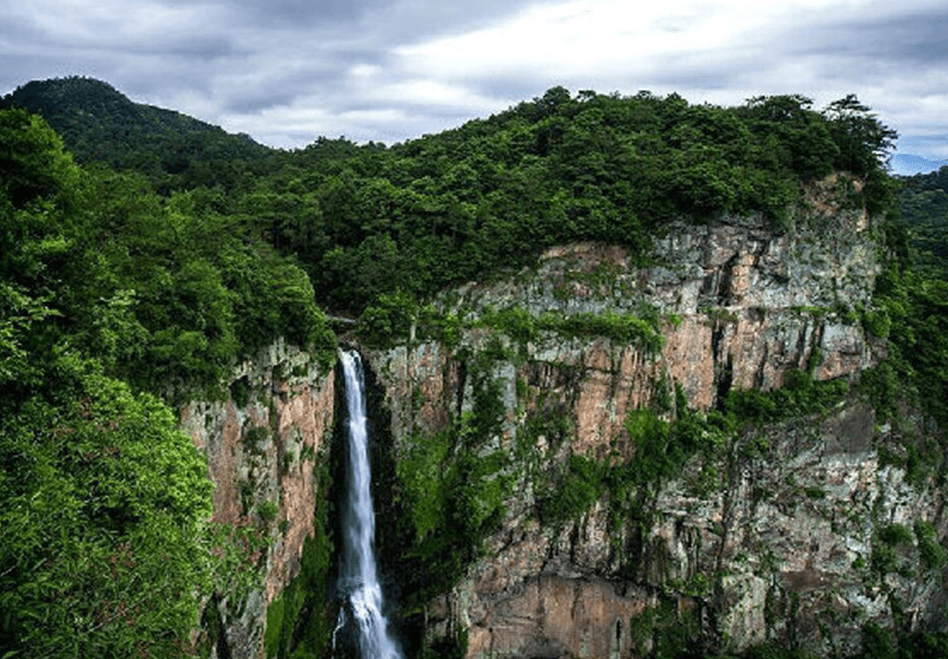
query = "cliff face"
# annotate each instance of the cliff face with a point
(520, 450)
(263, 443)
(795, 530)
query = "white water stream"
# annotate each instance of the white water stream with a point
(359, 579)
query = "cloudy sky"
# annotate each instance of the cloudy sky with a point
(288, 71)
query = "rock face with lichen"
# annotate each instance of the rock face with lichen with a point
(797, 530)
(262, 442)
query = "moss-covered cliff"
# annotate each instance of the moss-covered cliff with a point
(268, 449)
(595, 457)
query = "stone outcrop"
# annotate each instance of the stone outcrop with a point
(775, 537)
(262, 442)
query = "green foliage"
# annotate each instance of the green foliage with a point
(34, 165)
(106, 550)
(924, 208)
(656, 457)
(914, 373)
(421, 472)
(886, 544)
(240, 392)
(453, 485)
(523, 326)
(894, 535)
(574, 492)
(877, 323)
(801, 395)
(667, 631)
(159, 290)
(933, 554)
(862, 142)
(389, 319)
(877, 642)
(104, 502)
(268, 510)
(662, 448)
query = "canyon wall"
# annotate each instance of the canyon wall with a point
(800, 530)
(526, 508)
(263, 441)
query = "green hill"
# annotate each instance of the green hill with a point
(100, 124)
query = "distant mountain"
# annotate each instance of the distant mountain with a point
(99, 123)
(908, 164)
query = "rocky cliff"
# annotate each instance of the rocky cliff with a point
(763, 519)
(264, 441)
(602, 457)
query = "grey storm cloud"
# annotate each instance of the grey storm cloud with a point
(912, 38)
(291, 70)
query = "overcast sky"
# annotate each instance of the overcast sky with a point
(288, 71)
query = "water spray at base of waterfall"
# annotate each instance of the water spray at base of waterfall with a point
(359, 580)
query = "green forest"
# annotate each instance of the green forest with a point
(143, 253)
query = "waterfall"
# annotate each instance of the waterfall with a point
(359, 579)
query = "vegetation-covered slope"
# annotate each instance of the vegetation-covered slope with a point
(105, 548)
(493, 193)
(924, 202)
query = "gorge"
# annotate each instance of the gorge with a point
(595, 458)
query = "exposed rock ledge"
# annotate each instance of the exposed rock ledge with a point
(261, 450)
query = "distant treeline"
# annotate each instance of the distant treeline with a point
(924, 203)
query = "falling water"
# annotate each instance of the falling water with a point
(359, 580)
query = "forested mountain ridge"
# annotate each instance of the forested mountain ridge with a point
(129, 278)
(100, 124)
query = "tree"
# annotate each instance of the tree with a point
(34, 164)
(864, 142)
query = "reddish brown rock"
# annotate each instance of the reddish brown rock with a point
(261, 451)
